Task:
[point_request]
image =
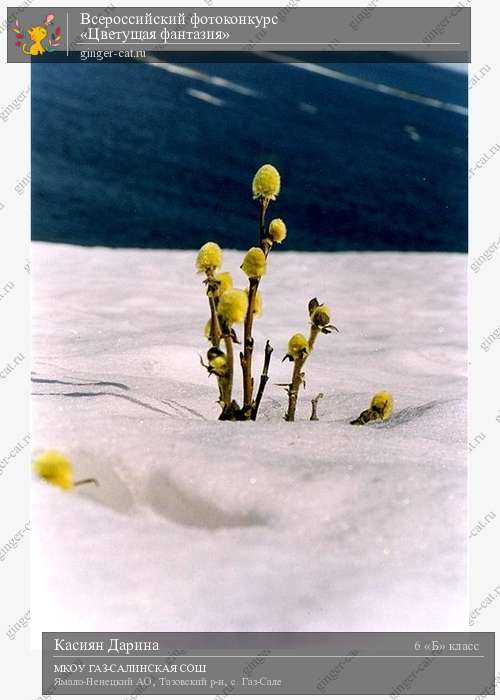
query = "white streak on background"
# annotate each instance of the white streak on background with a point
(369, 84)
(203, 77)
(205, 97)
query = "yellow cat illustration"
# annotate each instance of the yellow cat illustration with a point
(37, 35)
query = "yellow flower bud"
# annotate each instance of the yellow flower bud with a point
(298, 347)
(219, 364)
(320, 316)
(209, 257)
(225, 282)
(266, 182)
(277, 230)
(383, 404)
(55, 468)
(233, 306)
(254, 264)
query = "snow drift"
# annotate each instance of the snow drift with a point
(203, 525)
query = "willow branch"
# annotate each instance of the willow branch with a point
(228, 379)
(263, 379)
(215, 330)
(86, 481)
(314, 405)
(298, 377)
(248, 344)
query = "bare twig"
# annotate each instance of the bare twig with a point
(367, 416)
(263, 380)
(264, 203)
(215, 331)
(228, 379)
(247, 354)
(314, 403)
(86, 481)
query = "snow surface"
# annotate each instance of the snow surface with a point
(206, 525)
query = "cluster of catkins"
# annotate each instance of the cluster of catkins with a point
(229, 306)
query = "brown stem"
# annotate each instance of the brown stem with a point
(86, 481)
(264, 203)
(215, 331)
(293, 389)
(228, 379)
(265, 243)
(313, 334)
(314, 403)
(246, 356)
(263, 379)
(248, 343)
(366, 417)
(297, 377)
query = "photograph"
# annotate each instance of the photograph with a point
(249, 354)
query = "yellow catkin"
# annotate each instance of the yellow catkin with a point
(383, 404)
(209, 257)
(321, 316)
(266, 182)
(233, 306)
(277, 230)
(298, 346)
(254, 264)
(225, 282)
(219, 364)
(55, 468)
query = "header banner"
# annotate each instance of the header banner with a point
(328, 34)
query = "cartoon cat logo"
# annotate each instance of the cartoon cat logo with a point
(37, 35)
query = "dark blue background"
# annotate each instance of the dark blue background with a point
(122, 155)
